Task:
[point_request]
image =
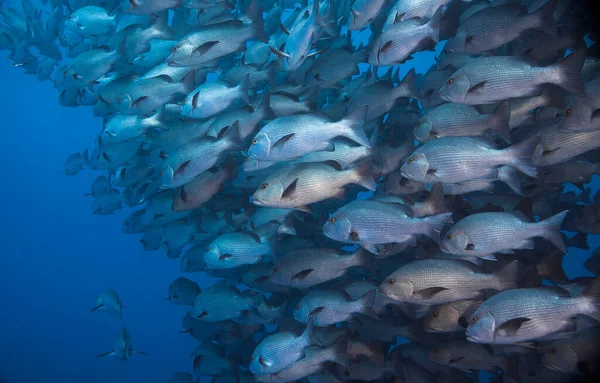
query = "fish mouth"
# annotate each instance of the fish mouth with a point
(473, 338)
(258, 201)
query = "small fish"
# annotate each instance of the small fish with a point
(404, 38)
(217, 303)
(292, 137)
(522, 315)
(484, 234)
(123, 347)
(303, 184)
(236, 249)
(110, 302)
(492, 79)
(305, 268)
(370, 223)
(439, 281)
(327, 307)
(91, 21)
(493, 27)
(211, 99)
(462, 120)
(182, 291)
(278, 351)
(363, 12)
(451, 317)
(583, 114)
(460, 159)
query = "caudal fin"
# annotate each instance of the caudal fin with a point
(435, 24)
(339, 351)
(592, 294)
(254, 13)
(408, 87)
(435, 224)
(510, 177)
(551, 230)
(243, 87)
(367, 301)
(434, 204)
(545, 17)
(499, 122)
(355, 120)
(364, 174)
(569, 72)
(520, 156)
(507, 276)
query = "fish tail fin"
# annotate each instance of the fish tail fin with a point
(244, 88)
(376, 353)
(355, 121)
(435, 224)
(188, 82)
(579, 240)
(507, 276)
(254, 13)
(308, 335)
(339, 350)
(592, 294)
(367, 301)
(545, 17)
(435, 24)
(569, 70)
(364, 174)
(510, 177)
(363, 259)
(435, 203)
(551, 230)
(288, 226)
(521, 156)
(265, 106)
(500, 121)
(409, 85)
(553, 97)
(232, 134)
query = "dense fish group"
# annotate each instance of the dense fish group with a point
(365, 224)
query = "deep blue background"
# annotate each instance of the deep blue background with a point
(55, 256)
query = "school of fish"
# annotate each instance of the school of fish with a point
(365, 222)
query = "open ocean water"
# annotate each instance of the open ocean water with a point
(56, 256)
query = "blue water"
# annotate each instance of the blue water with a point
(56, 257)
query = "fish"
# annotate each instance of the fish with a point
(460, 159)
(307, 183)
(123, 349)
(209, 100)
(91, 21)
(404, 38)
(493, 27)
(279, 351)
(287, 137)
(327, 307)
(306, 268)
(182, 291)
(481, 235)
(521, 315)
(439, 281)
(448, 120)
(109, 302)
(451, 317)
(473, 84)
(583, 114)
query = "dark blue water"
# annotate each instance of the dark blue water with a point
(55, 256)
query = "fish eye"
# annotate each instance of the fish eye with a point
(175, 48)
(298, 307)
(275, 268)
(207, 249)
(450, 80)
(435, 350)
(254, 141)
(332, 220)
(569, 112)
(474, 319)
(419, 124)
(411, 160)
(252, 359)
(435, 314)
(264, 186)
(448, 236)
(120, 100)
(391, 281)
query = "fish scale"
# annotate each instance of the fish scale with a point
(547, 310)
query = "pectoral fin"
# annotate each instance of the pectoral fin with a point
(290, 190)
(105, 354)
(302, 274)
(476, 88)
(202, 49)
(429, 293)
(511, 327)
